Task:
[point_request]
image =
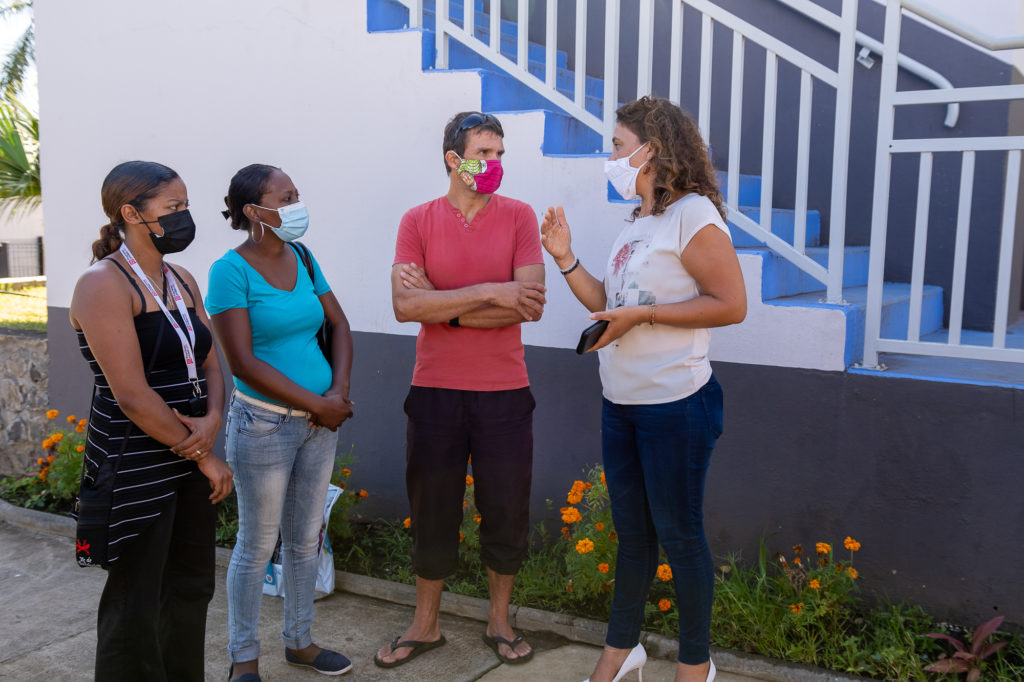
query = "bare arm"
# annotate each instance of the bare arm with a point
(433, 306)
(101, 307)
(557, 239)
(711, 260)
(486, 316)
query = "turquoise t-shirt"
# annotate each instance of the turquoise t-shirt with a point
(284, 323)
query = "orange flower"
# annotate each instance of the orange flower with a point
(566, 533)
(57, 437)
(40, 462)
(602, 479)
(796, 560)
(823, 548)
(851, 544)
(83, 422)
(465, 504)
(664, 604)
(798, 549)
(814, 584)
(363, 493)
(612, 536)
(585, 545)
(852, 572)
(570, 515)
(80, 429)
(797, 608)
(346, 472)
(47, 444)
(461, 536)
(664, 573)
(407, 522)
(341, 485)
(469, 480)
(49, 459)
(80, 448)
(603, 568)
(71, 419)
(574, 497)
(52, 414)
(477, 518)
(598, 526)
(43, 473)
(588, 485)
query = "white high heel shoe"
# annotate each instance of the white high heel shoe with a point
(634, 661)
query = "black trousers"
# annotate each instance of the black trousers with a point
(445, 427)
(152, 614)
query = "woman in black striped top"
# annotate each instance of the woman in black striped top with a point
(145, 509)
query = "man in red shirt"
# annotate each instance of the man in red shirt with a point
(469, 268)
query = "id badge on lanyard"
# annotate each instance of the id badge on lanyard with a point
(196, 404)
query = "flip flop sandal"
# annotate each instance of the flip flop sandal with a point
(417, 649)
(493, 642)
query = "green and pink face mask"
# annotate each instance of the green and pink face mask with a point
(480, 175)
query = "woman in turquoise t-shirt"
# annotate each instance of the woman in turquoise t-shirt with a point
(281, 432)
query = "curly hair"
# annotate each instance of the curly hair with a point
(681, 163)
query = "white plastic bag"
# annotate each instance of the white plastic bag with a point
(273, 582)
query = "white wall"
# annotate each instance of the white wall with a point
(207, 88)
(23, 224)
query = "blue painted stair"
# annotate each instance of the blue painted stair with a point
(782, 283)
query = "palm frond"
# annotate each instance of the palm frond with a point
(19, 158)
(17, 63)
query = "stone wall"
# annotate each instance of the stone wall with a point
(24, 388)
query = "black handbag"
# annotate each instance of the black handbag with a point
(325, 335)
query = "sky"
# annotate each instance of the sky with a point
(10, 31)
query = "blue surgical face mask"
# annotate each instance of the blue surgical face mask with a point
(294, 221)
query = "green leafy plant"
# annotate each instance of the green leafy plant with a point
(23, 53)
(20, 187)
(968, 659)
(52, 483)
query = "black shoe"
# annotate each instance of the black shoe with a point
(327, 662)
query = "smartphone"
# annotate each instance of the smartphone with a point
(590, 336)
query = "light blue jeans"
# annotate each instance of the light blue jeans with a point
(282, 466)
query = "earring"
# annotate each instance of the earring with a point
(262, 234)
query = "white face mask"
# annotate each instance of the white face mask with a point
(622, 175)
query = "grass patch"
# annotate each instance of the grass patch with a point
(24, 309)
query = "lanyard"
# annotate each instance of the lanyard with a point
(187, 344)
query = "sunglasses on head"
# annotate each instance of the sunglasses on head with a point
(474, 120)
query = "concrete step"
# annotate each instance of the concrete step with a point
(783, 224)
(780, 278)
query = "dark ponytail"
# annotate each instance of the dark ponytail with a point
(247, 186)
(132, 182)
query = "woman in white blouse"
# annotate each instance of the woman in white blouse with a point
(672, 274)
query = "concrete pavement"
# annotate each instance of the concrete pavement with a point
(49, 628)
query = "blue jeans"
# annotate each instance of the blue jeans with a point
(655, 461)
(282, 466)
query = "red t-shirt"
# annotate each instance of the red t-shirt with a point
(502, 237)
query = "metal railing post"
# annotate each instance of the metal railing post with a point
(441, 29)
(612, 13)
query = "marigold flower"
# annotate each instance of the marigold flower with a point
(80, 448)
(341, 485)
(465, 504)
(823, 548)
(52, 414)
(43, 474)
(796, 560)
(461, 536)
(363, 493)
(585, 545)
(851, 544)
(566, 533)
(570, 515)
(469, 480)
(71, 419)
(80, 429)
(797, 608)
(40, 462)
(599, 526)
(47, 444)
(613, 536)
(664, 573)
(407, 522)
(346, 472)
(798, 549)
(814, 584)
(574, 497)
(477, 518)
(50, 458)
(57, 437)
(83, 422)
(588, 485)
(852, 572)
(664, 604)
(602, 479)
(603, 568)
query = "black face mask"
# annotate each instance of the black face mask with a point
(179, 231)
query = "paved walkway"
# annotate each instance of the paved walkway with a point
(49, 630)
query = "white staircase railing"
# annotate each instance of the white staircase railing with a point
(926, 148)
(811, 70)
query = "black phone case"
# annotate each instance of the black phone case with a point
(590, 336)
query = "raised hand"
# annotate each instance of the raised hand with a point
(556, 237)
